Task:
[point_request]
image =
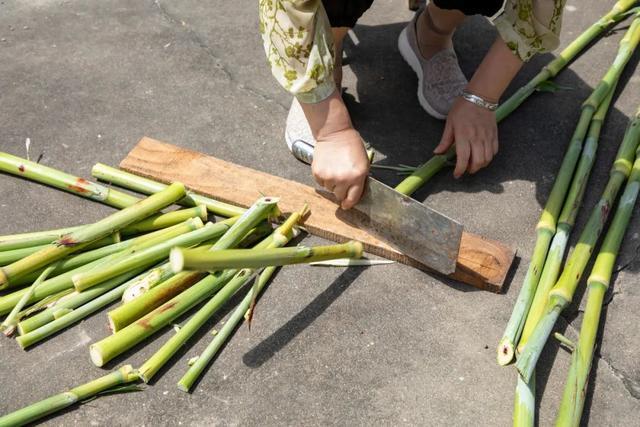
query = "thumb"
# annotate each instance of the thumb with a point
(447, 139)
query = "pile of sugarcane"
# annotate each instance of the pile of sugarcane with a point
(157, 265)
(549, 285)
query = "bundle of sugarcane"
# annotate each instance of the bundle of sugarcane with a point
(545, 291)
(53, 279)
(423, 173)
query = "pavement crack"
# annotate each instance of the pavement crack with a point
(219, 64)
(632, 385)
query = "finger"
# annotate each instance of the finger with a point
(488, 153)
(353, 196)
(495, 145)
(476, 162)
(340, 191)
(463, 152)
(446, 140)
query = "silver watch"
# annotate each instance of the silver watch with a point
(479, 101)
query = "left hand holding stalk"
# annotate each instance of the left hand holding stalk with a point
(475, 133)
(473, 127)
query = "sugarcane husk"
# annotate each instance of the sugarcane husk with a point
(547, 225)
(150, 367)
(147, 186)
(53, 404)
(72, 316)
(562, 292)
(79, 239)
(423, 173)
(573, 398)
(110, 347)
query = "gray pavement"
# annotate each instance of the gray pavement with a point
(84, 80)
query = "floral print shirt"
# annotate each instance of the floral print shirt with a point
(297, 39)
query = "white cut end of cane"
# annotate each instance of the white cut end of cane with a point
(202, 212)
(176, 258)
(505, 352)
(96, 356)
(112, 324)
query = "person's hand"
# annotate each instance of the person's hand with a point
(340, 164)
(475, 133)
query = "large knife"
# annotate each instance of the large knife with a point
(405, 224)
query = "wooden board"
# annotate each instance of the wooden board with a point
(482, 262)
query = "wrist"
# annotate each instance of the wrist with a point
(328, 117)
(479, 101)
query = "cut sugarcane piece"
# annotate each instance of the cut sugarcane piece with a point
(53, 404)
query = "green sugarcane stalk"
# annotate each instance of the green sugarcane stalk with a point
(53, 404)
(566, 221)
(73, 300)
(144, 254)
(562, 292)
(547, 225)
(147, 186)
(43, 304)
(63, 281)
(575, 389)
(45, 175)
(28, 241)
(68, 316)
(153, 278)
(205, 358)
(10, 322)
(110, 347)
(106, 349)
(150, 255)
(36, 238)
(83, 258)
(194, 259)
(124, 315)
(424, 172)
(280, 237)
(160, 221)
(79, 239)
(152, 365)
(524, 402)
(149, 293)
(13, 255)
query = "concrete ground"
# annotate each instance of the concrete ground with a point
(84, 80)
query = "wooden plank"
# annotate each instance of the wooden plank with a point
(482, 262)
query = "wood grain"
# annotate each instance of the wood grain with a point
(482, 263)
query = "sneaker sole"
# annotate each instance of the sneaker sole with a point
(410, 57)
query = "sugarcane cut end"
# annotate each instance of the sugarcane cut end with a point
(177, 260)
(505, 352)
(96, 356)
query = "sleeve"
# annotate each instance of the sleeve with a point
(530, 26)
(297, 41)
